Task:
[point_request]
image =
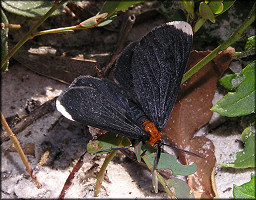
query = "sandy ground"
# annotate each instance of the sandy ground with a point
(66, 141)
(124, 177)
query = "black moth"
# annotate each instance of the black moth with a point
(147, 80)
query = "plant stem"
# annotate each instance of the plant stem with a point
(28, 35)
(160, 178)
(100, 176)
(23, 157)
(233, 38)
(71, 176)
(89, 23)
(56, 30)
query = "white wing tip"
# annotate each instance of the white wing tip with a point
(63, 111)
(183, 26)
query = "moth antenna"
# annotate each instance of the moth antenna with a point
(143, 153)
(158, 154)
(188, 152)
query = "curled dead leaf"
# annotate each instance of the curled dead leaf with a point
(190, 113)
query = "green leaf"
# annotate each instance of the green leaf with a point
(137, 150)
(168, 161)
(227, 4)
(105, 22)
(216, 6)
(123, 5)
(112, 7)
(249, 49)
(205, 12)
(200, 22)
(30, 8)
(231, 81)
(4, 37)
(107, 141)
(245, 158)
(250, 43)
(109, 7)
(189, 7)
(245, 191)
(93, 21)
(241, 102)
(180, 188)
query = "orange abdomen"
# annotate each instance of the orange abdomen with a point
(153, 131)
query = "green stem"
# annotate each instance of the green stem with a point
(100, 176)
(89, 23)
(160, 178)
(233, 38)
(59, 30)
(29, 34)
(56, 30)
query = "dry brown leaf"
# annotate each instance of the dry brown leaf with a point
(28, 149)
(56, 67)
(191, 112)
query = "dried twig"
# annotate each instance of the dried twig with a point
(44, 109)
(71, 176)
(23, 157)
(120, 44)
